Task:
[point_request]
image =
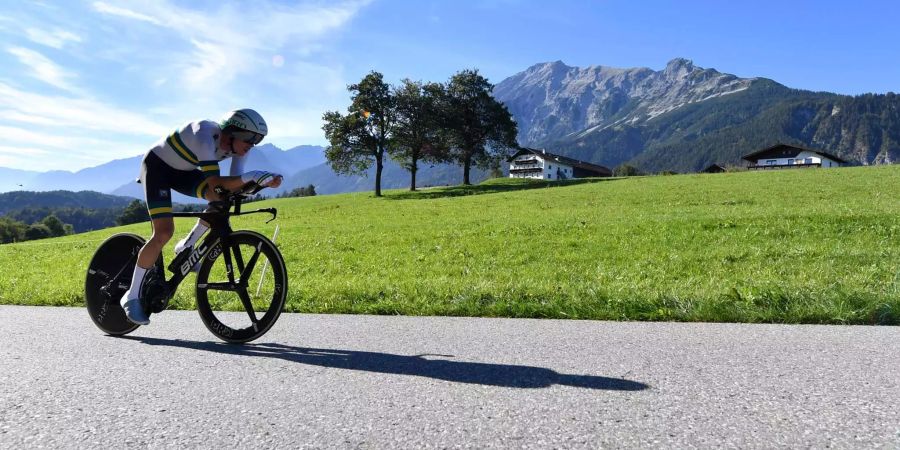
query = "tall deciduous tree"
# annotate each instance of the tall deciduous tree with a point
(480, 129)
(363, 135)
(418, 133)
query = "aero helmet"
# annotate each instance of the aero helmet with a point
(245, 120)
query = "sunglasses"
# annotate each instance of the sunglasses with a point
(248, 137)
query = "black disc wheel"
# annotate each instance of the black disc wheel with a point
(108, 277)
(241, 287)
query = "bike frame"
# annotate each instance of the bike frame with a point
(216, 242)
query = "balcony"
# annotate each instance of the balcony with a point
(783, 166)
(525, 169)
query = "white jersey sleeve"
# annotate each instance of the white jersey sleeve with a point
(238, 165)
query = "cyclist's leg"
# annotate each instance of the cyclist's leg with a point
(193, 184)
(155, 177)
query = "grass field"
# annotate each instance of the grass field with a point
(797, 246)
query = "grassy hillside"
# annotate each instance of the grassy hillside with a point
(815, 246)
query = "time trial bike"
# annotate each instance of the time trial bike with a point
(241, 284)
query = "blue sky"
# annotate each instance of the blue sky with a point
(87, 82)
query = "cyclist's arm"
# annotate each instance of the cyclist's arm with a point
(227, 183)
(267, 179)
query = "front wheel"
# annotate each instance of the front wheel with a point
(241, 287)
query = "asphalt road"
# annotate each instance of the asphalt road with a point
(332, 381)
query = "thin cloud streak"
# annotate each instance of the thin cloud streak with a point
(43, 69)
(81, 113)
(56, 39)
(124, 12)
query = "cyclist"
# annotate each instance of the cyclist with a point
(188, 162)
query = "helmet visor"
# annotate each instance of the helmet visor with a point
(248, 136)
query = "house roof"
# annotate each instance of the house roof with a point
(787, 151)
(562, 160)
(713, 168)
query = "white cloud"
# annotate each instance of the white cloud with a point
(79, 113)
(123, 12)
(56, 38)
(30, 142)
(211, 62)
(43, 69)
(145, 67)
(76, 132)
(236, 40)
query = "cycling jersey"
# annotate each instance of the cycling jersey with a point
(196, 145)
(183, 161)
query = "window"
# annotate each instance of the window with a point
(808, 161)
(551, 167)
(549, 175)
(790, 161)
(771, 162)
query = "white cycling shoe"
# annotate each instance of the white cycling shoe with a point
(133, 309)
(180, 247)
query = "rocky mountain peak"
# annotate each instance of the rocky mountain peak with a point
(552, 100)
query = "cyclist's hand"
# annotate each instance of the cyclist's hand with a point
(262, 178)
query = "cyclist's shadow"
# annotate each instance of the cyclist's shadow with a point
(418, 365)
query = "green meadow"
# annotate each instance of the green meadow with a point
(793, 246)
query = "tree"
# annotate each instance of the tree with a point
(308, 191)
(37, 231)
(56, 226)
(625, 170)
(135, 212)
(480, 129)
(418, 129)
(363, 135)
(11, 230)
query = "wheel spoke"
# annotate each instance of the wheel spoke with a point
(239, 260)
(223, 286)
(245, 273)
(248, 305)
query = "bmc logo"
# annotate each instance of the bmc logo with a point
(195, 256)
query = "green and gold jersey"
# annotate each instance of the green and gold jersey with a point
(194, 146)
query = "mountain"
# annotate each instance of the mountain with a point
(118, 177)
(14, 179)
(552, 100)
(685, 117)
(265, 157)
(103, 178)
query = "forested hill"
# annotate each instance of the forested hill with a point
(10, 201)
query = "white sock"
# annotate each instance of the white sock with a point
(195, 234)
(136, 279)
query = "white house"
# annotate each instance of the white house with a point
(532, 163)
(784, 156)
